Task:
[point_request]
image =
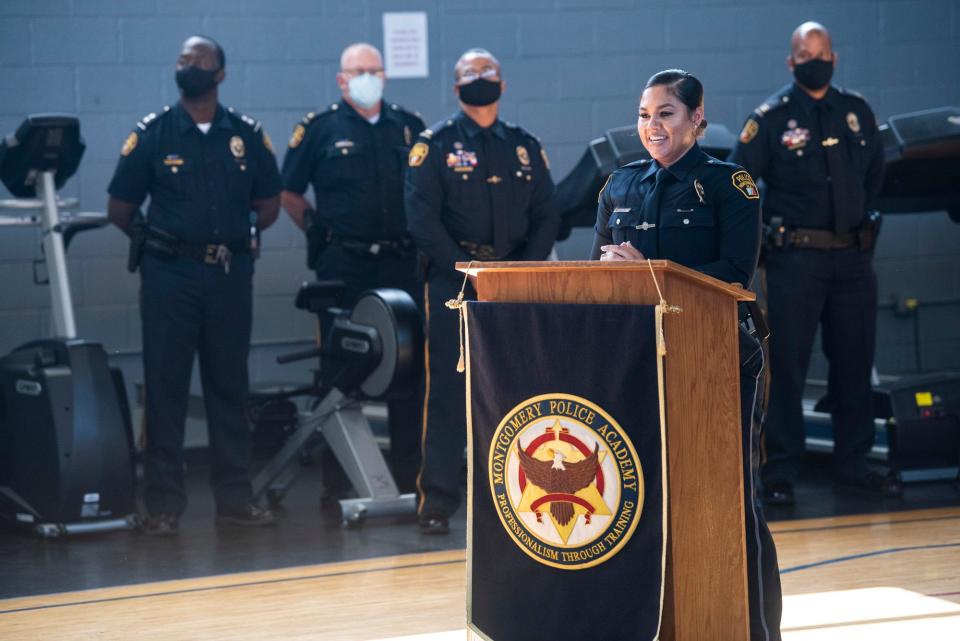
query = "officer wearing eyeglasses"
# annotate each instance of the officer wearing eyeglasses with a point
(354, 155)
(478, 188)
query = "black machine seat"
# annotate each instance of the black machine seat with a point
(319, 296)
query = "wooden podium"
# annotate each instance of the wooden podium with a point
(706, 578)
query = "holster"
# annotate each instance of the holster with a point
(160, 243)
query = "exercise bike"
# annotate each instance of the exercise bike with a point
(373, 351)
(66, 446)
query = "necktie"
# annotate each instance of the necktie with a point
(496, 190)
(650, 214)
(831, 153)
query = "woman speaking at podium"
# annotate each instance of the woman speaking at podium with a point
(685, 206)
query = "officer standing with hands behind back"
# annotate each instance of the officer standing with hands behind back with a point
(355, 155)
(818, 150)
(478, 188)
(213, 184)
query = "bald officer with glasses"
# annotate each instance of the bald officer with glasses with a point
(354, 154)
(477, 188)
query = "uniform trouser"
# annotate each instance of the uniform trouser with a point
(763, 574)
(837, 290)
(192, 309)
(361, 272)
(444, 426)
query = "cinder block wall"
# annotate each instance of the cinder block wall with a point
(574, 69)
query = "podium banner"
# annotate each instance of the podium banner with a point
(566, 508)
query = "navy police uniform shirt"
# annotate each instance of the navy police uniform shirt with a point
(699, 212)
(201, 186)
(483, 186)
(356, 168)
(821, 160)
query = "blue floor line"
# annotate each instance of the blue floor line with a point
(852, 557)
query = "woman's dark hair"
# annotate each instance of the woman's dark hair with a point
(684, 86)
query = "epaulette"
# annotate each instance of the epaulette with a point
(713, 162)
(770, 104)
(523, 132)
(313, 115)
(148, 121)
(395, 107)
(254, 124)
(436, 128)
(643, 162)
(851, 93)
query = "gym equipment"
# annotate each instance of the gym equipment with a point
(66, 446)
(923, 161)
(372, 351)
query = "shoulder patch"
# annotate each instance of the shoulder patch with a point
(546, 161)
(268, 143)
(750, 130)
(129, 144)
(298, 133)
(418, 153)
(744, 183)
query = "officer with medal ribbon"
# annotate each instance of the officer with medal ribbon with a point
(213, 184)
(818, 151)
(354, 155)
(684, 206)
(477, 188)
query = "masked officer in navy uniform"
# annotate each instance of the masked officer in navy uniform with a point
(817, 149)
(477, 188)
(355, 155)
(213, 184)
(700, 212)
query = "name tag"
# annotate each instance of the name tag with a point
(622, 210)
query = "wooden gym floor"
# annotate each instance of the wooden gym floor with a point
(878, 576)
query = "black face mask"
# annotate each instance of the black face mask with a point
(480, 92)
(814, 74)
(194, 81)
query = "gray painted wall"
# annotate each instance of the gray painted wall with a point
(574, 68)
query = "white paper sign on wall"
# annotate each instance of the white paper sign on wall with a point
(405, 44)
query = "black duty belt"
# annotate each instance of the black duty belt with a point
(821, 239)
(213, 254)
(401, 247)
(479, 251)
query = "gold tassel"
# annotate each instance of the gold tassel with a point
(661, 309)
(458, 304)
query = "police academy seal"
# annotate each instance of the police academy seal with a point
(566, 481)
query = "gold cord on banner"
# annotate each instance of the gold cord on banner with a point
(662, 308)
(457, 304)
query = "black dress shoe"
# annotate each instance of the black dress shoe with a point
(778, 493)
(873, 485)
(161, 524)
(434, 524)
(247, 515)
